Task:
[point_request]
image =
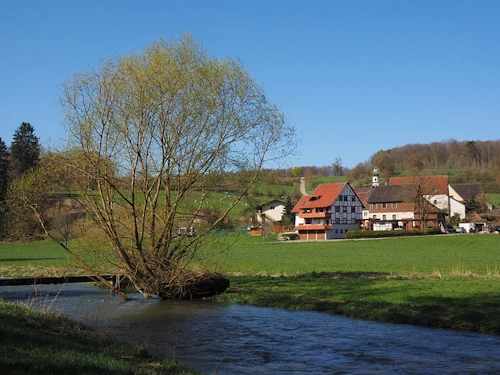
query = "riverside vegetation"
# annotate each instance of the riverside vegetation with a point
(43, 342)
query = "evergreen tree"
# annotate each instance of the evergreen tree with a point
(288, 219)
(4, 183)
(4, 170)
(24, 150)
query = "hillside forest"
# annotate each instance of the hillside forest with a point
(462, 161)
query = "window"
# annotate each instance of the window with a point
(365, 213)
(394, 205)
(353, 210)
(344, 209)
(341, 230)
(272, 207)
(353, 198)
(345, 198)
(374, 216)
(394, 217)
(337, 209)
(384, 205)
(384, 217)
(374, 206)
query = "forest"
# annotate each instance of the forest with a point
(462, 161)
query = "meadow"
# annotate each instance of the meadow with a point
(448, 281)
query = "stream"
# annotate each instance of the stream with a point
(219, 338)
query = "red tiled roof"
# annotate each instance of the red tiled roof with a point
(431, 184)
(324, 195)
(363, 194)
(300, 203)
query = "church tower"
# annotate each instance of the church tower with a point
(375, 177)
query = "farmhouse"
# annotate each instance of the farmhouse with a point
(329, 212)
(390, 208)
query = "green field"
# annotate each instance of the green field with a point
(447, 255)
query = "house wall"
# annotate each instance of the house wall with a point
(339, 230)
(454, 194)
(457, 207)
(272, 211)
(395, 214)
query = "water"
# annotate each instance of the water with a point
(236, 339)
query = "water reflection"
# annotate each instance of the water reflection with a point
(235, 339)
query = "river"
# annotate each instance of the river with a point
(217, 338)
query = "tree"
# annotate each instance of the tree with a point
(337, 168)
(296, 171)
(385, 162)
(414, 164)
(419, 189)
(24, 150)
(159, 131)
(4, 183)
(288, 219)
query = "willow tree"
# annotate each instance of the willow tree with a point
(161, 131)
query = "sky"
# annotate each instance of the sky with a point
(353, 77)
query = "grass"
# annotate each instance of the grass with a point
(447, 255)
(41, 342)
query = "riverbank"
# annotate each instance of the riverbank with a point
(37, 342)
(465, 303)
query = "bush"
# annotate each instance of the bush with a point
(354, 234)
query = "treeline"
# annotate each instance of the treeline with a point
(463, 161)
(451, 154)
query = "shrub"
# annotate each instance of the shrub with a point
(354, 234)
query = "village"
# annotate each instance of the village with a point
(405, 203)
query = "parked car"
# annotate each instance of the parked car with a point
(460, 230)
(496, 229)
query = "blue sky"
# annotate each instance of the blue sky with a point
(353, 76)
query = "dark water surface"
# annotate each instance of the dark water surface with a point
(216, 338)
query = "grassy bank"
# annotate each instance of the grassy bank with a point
(41, 342)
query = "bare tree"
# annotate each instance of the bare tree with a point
(160, 131)
(420, 190)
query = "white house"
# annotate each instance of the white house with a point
(272, 211)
